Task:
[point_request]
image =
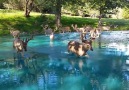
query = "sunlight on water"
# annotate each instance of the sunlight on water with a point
(47, 65)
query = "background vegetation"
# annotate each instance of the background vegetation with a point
(29, 15)
(16, 20)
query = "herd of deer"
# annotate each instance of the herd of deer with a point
(81, 48)
(78, 48)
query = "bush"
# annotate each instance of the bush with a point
(126, 13)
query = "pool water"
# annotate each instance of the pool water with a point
(48, 65)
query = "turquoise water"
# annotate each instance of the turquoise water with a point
(48, 65)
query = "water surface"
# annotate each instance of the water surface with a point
(48, 65)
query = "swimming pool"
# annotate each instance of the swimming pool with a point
(48, 65)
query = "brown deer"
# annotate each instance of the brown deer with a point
(49, 32)
(80, 49)
(47, 29)
(75, 27)
(94, 33)
(21, 45)
(104, 28)
(64, 29)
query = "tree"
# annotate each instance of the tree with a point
(105, 5)
(58, 6)
(29, 5)
(1, 3)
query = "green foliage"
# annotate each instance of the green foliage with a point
(105, 5)
(126, 13)
(17, 21)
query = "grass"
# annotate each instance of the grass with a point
(17, 20)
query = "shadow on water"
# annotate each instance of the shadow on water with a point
(48, 66)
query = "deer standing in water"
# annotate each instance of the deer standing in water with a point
(75, 27)
(94, 33)
(21, 45)
(47, 30)
(80, 49)
(64, 29)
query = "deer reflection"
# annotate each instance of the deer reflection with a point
(80, 67)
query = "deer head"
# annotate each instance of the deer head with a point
(14, 33)
(87, 44)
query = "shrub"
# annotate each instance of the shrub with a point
(126, 13)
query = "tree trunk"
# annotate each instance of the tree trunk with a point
(58, 13)
(28, 7)
(100, 11)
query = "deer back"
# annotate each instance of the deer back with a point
(79, 49)
(102, 28)
(73, 46)
(64, 29)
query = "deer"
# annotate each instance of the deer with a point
(104, 28)
(21, 45)
(80, 49)
(94, 33)
(107, 27)
(75, 27)
(47, 29)
(15, 33)
(64, 29)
